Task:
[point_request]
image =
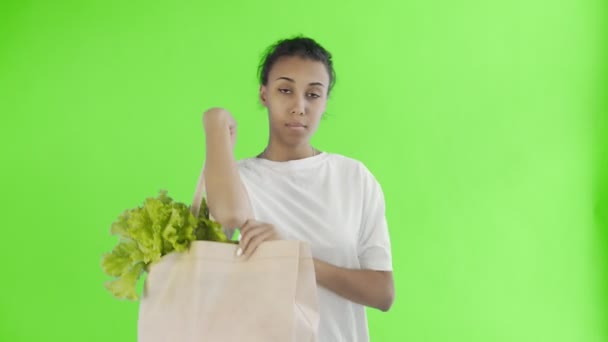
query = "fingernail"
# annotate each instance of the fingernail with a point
(239, 252)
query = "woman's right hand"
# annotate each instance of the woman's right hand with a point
(253, 234)
(217, 118)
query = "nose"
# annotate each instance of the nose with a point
(298, 107)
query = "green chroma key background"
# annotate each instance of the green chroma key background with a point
(485, 123)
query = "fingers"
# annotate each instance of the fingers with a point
(253, 233)
(249, 234)
(246, 227)
(264, 235)
(216, 114)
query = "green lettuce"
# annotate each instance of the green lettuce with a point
(149, 232)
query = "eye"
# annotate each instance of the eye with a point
(314, 96)
(284, 91)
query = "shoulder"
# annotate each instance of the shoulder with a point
(354, 171)
(350, 163)
(364, 175)
(247, 166)
(342, 161)
(244, 163)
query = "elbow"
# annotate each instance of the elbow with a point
(233, 222)
(387, 301)
(387, 297)
(229, 219)
(231, 211)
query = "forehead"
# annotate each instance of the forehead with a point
(299, 69)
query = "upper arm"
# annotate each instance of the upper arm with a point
(374, 247)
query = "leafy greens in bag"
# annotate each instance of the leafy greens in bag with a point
(149, 232)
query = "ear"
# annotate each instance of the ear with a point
(263, 95)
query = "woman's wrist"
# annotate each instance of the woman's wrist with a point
(320, 270)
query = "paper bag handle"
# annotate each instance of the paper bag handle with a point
(198, 194)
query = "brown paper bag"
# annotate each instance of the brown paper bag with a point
(208, 294)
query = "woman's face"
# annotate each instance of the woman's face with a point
(296, 96)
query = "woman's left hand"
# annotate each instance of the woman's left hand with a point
(253, 233)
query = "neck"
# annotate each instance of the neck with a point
(279, 153)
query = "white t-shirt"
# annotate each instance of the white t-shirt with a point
(336, 205)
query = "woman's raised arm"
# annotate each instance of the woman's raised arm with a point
(226, 195)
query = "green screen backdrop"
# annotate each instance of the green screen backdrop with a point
(482, 120)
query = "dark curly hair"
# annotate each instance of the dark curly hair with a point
(297, 46)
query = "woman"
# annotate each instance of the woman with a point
(291, 190)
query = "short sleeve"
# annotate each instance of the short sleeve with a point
(374, 247)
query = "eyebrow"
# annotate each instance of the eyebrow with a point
(293, 81)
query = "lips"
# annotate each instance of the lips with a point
(295, 124)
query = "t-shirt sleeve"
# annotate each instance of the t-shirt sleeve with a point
(374, 247)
